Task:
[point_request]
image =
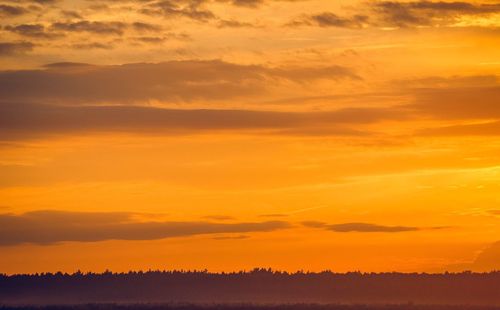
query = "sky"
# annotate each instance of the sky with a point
(231, 134)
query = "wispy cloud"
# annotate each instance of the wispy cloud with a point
(47, 227)
(329, 19)
(15, 48)
(365, 227)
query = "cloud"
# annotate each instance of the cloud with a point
(149, 39)
(146, 27)
(428, 13)
(179, 8)
(11, 11)
(302, 74)
(400, 14)
(45, 2)
(105, 98)
(37, 31)
(23, 120)
(248, 3)
(165, 36)
(329, 19)
(48, 227)
(482, 129)
(470, 102)
(14, 48)
(235, 24)
(62, 65)
(92, 45)
(254, 3)
(71, 14)
(360, 227)
(365, 227)
(95, 27)
(463, 102)
(487, 260)
(168, 81)
(196, 10)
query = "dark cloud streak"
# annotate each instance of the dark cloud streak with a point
(36, 31)
(360, 227)
(95, 27)
(12, 11)
(168, 81)
(20, 121)
(48, 227)
(329, 19)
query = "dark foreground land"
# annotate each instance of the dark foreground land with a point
(258, 287)
(250, 307)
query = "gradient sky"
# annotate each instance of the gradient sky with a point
(231, 134)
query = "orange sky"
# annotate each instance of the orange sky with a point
(231, 134)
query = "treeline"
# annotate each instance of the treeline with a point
(259, 286)
(248, 307)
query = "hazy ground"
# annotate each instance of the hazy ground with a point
(258, 287)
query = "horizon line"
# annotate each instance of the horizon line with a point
(245, 272)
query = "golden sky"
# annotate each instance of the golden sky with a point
(230, 134)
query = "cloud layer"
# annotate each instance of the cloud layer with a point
(81, 98)
(429, 13)
(18, 120)
(400, 14)
(168, 81)
(47, 227)
(360, 227)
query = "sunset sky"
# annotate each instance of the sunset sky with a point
(232, 134)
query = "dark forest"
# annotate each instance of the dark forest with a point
(260, 286)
